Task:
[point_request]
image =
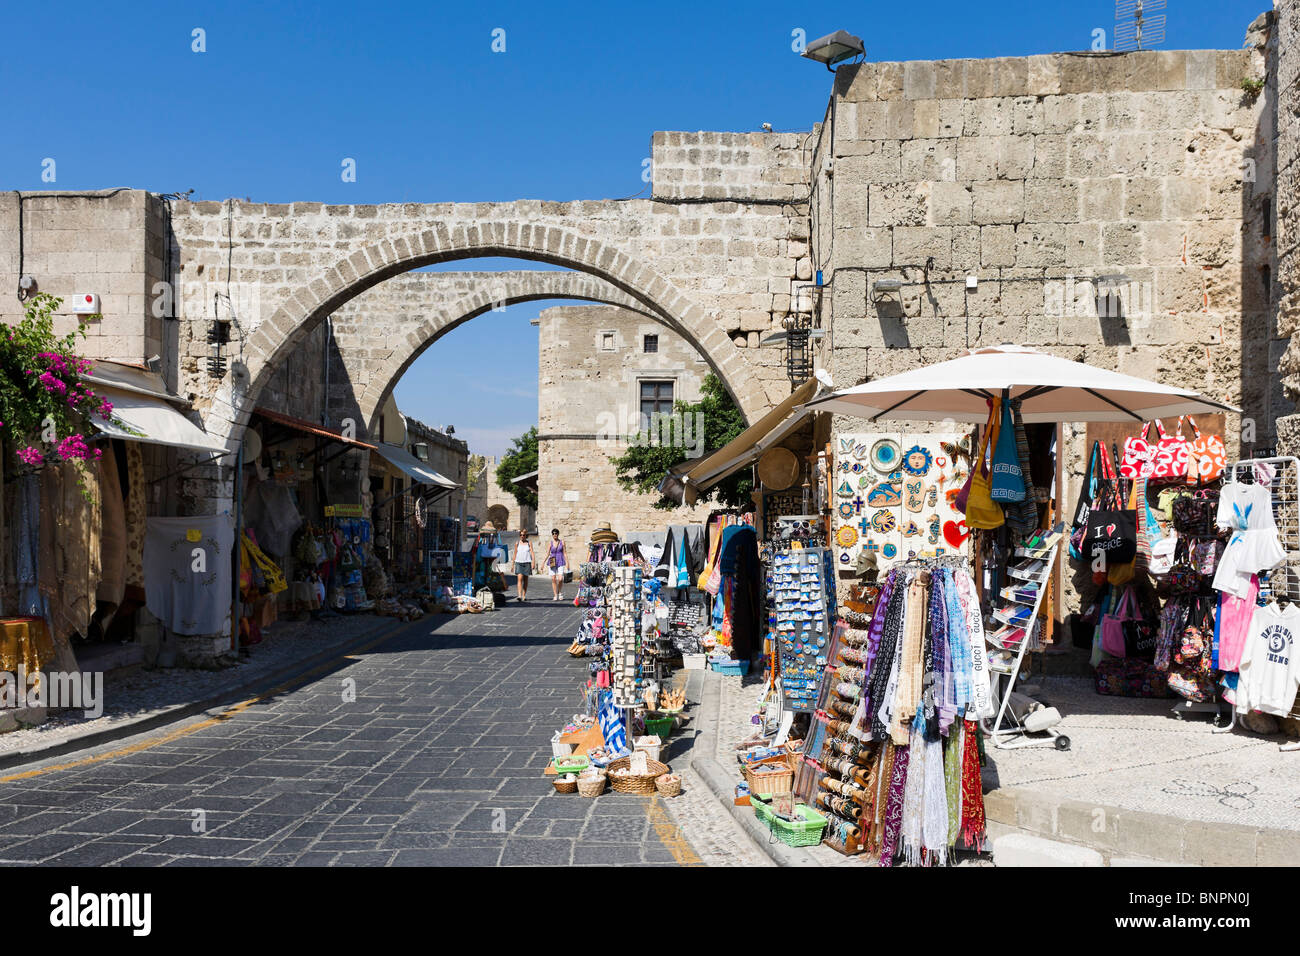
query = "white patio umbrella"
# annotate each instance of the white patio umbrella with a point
(1051, 389)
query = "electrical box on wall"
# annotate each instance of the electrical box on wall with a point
(84, 303)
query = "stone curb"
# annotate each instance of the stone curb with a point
(723, 785)
(1122, 835)
(178, 712)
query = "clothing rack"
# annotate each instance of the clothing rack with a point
(1282, 583)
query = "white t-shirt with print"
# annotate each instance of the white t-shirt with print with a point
(1269, 673)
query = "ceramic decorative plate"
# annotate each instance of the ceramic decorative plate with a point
(889, 550)
(846, 509)
(847, 536)
(914, 495)
(885, 455)
(845, 490)
(859, 451)
(917, 461)
(885, 495)
(884, 521)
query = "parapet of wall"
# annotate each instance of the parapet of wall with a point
(771, 167)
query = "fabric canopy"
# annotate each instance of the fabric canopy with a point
(144, 418)
(1051, 389)
(685, 481)
(309, 428)
(403, 460)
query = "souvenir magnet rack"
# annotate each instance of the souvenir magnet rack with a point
(1007, 724)
(1282, 583)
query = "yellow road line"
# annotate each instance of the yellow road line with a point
(671, 835)
(185, 731)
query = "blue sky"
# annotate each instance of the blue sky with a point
(415, 94)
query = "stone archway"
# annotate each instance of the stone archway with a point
(431, 304)
(308, 304)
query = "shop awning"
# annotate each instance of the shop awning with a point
(686, 481)
(131, 378)
(419, 471)
(529, 480)
(1050, 389)
(310, 428)
(152, 420)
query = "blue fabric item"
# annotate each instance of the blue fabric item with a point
(958, 644)
(1214, 646)
(733, 538)
(611, 723)
(27, 545)
(1008, 479)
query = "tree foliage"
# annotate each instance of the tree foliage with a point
(642, 466)
(519, 460)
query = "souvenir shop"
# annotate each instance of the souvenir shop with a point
(947, 553)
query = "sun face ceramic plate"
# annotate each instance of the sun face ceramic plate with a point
(917, 461)
(885, 455)
(847, 536)
(846, 509)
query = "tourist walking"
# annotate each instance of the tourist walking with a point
(523, 565)
(556, 563)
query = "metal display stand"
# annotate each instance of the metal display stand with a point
(1008, 730)
(1282, 583)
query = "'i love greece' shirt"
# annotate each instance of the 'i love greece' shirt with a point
(1269, 672)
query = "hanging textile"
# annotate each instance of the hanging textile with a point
(186, 600)
(112, 545)
(136, 518)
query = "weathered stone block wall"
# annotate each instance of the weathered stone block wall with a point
(1284, 89)
(772, 167)
(1037, 175)
(588, 396)
(487, 493)
(109, 243)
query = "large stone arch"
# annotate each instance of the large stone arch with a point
(428, 305)
(335, 285)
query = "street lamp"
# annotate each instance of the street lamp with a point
(834, 48)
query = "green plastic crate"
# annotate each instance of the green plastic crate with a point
(661, 727)
(807, 831)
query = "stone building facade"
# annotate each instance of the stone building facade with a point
(595, 366)
(486, 494)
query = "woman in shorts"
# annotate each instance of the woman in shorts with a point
(556, 563)
(523, 565)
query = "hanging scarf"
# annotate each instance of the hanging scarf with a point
(959, 648)
(909, 672)
(861, 726)
(878, 678)
(914, 801)
(893, 807)
(952, 767)
(981, 690)
(935, 808)
(972, 788)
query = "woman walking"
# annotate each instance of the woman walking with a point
(523, 565)
(556, 563)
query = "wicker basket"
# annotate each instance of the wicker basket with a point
(774, 781)
(668, 784)
(591, 786)
(642, 783)
(565, 786)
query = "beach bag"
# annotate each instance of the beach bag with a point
(1007, 481)
(1120, 677)
(1022, 516)
(1207, 457)
(1172, 452)
(1111, 530)
(1081, 511)
(1112, 625)
(1125, 678)
(982, 512)
(1139, 455)
(1162, 555)
(1140, 635)
(962, 496)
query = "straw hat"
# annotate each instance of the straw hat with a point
(604, 534)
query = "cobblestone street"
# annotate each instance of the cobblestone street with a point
(438, 760)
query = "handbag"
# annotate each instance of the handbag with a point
(1162, 555)
(1007, 480)
(962, 496)
(1112, 625)
(1139, 455)
(982, 512)
(1207, 457)
(1170, 462)
(1083, 508)
(1129, 678)
(1140, 634)
(1111, 529)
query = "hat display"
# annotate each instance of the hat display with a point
(604, 534)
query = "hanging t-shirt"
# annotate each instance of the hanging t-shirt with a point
(1268, 671)
(1232, 626)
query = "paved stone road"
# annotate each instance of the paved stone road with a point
(438, 760)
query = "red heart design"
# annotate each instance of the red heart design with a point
(1110, 529)
(955, 532)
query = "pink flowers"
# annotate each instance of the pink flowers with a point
(105, 408)
(74, 446)
(31, 455)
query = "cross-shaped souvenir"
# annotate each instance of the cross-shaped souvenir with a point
(865, 525)
(857, 505)
(871, 547)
